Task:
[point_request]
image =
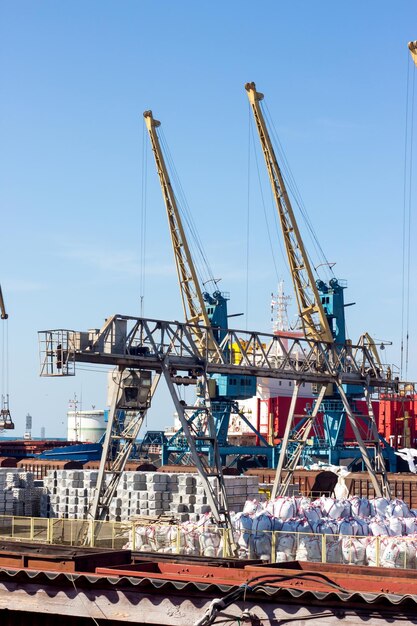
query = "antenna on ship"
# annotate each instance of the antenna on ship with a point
(279, 309)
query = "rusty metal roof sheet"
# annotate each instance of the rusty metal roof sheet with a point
(193, 588)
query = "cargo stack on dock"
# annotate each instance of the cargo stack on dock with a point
(69, 492)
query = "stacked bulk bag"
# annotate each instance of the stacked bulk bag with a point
(211, 542)
(354, 550)
(399, 553)
(397, 508)
(262, 528)
(379, 506)
(360, 507)
(355, 531)
(242, 524)
(286, 545)
(333, 549)
(378, 526)
(309, 549)
(335, 509)
(327, 527)
(282, 507)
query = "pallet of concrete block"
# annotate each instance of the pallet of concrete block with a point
(18, 494)
(68, 493)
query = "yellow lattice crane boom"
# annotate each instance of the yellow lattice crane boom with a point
(412, 46)
(192, 298)
(321, 310)
(312, 314)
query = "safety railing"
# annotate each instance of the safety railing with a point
(210, 541)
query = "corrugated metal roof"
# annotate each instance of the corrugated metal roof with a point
(194, 588)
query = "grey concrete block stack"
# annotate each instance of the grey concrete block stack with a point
(68, 493)
(19, 495)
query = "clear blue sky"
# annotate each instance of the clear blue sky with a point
(75, 80)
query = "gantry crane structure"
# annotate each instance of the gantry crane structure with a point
(142, 350)
(200, 308)
(321, 310)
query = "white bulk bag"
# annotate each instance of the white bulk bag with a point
(410, 524)
(302, 525)
(261, 546)
(354, 550)
(288, 526)
(243, 528)
(399, 554)
(397, 508)
(302, 503)
(397, 527)
(313, 514)
(262, 522)
(209, 542)
(286, 543)
(309, 549)
(378, 526)
(360, 507)
(335, 509)
(190, 538)
(372, 551)
(378, 506)
(347, 526)
(262, 525)
(251, 507)
(163, 537)
(140, 537)
(327, 527)
(284, 508)
(333, 550)
(361, 527)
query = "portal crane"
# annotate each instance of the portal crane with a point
(200, 308)
(4, 315)
(321, 311)
(6, 421)
(412, 46)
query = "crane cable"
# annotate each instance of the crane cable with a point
(5, 365)
(143, 221)
(277, 228)
(248, 190)
(200, 259)
(292, 186)
(406, 232)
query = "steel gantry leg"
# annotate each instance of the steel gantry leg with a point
(216, 493)
(380, 490)
(118, 442)
(379, 458)
(287, 462)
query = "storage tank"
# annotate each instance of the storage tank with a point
(85, 425)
